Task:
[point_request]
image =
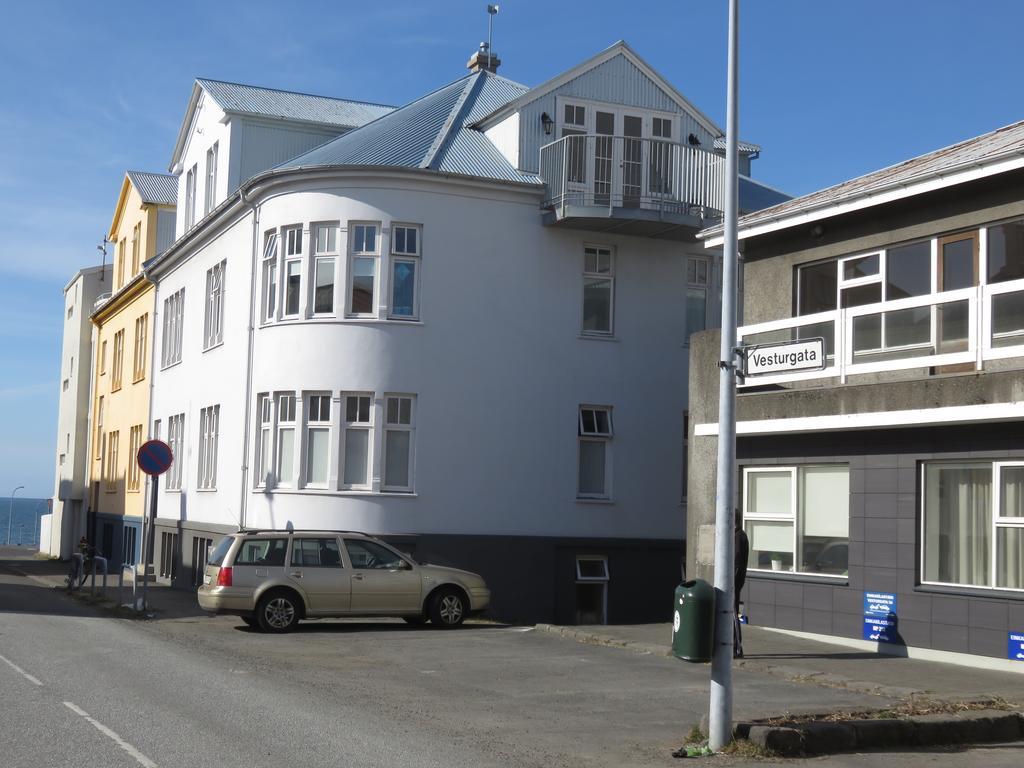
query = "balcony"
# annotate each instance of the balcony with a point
(647, 187)
(955, 330)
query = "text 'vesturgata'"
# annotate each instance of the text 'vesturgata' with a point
(769, 359)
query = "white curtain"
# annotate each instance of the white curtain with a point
(1010, 539)
(958, 523)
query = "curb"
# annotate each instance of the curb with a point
(818, 738)
(591, 638)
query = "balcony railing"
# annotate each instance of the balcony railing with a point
(967, 326)
(621, 172)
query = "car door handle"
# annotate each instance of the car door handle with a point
(357, 576)
(296, 574)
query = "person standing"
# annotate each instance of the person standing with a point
(742, 554)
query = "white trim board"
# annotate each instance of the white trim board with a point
(763, 223)
(955, 414)
(907, 651)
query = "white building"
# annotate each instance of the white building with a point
(431, 328)
(66, 522)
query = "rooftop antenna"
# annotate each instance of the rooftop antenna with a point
(102, 248)
(492, 11)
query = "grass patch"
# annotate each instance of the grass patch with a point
(748, 749)
(696, 736)
(912, 708)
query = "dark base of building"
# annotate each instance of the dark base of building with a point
(532, 579)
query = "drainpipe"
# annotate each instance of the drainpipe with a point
(248, 359)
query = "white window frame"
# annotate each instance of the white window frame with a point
(264, 458)
(133, 473)
(291, 237)
(998, 522)
(793, 517)
(136, 246)
(355, 253)
(113, 444)
(357, 425)
(596, 435)
(139, 351)
(174, 310)
(413, 256)
(286, 412)
(209, 428)
(313, 424)
(210, 196)
(190, 197)
(390, 427)
(213, 323)
(176, 441)
(324, 253)
(697, 284)
(117, 364)
(271, 304)
(607, 277)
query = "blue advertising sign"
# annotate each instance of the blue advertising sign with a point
(879, 604)
(1015, 646)
(880, 630)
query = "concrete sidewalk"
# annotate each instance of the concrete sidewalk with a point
(798, 659)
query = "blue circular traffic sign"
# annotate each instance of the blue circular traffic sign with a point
(155, 457)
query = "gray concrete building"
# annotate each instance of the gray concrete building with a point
(883, 496)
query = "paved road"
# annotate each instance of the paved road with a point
(78, 689)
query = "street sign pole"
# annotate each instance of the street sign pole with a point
(150, 537)
(720, 715)
(154, 458)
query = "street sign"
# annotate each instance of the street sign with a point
(880, 630)
(784, 357)
(879, 604)
(155, 457)
(1015, 646)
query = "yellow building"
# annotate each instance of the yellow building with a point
(142, 227)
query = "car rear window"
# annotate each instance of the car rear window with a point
(262, 552)
(217, 556)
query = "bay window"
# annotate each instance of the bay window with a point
(405, 260)
(399, 428)
(318, 440)
(269, 276)
(325, 250)
(363, 254)
(358, 428)
(286, 439)
(292, 271)
(798, 518)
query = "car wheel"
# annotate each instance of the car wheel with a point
(277, 612)
(416, 621)
(447, 608)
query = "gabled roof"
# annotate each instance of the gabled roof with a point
(432, 133)
(995, 152)
(275, 104)
(621, 48)
(153, 188)
(156, 188)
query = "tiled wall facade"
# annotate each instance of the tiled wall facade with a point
(884, 529)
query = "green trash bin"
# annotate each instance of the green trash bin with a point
(693, 621)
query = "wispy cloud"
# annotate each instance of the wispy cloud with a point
(20, 391)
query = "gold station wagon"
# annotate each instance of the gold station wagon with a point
(272, 579)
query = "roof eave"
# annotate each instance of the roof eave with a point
(763, 222)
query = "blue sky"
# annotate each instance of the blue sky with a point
(830, 90)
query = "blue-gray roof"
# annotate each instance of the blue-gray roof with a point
(158, 188)
(288, 105)
(432, 133)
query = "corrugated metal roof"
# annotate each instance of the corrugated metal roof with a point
(158, 188)
(288, 105)
(988, 148)
(743, 146)
(431, 133)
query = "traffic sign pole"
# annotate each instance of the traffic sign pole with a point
(154, 458)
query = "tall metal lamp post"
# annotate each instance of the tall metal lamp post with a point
(10, 513)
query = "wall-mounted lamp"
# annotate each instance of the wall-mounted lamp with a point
(547, 122)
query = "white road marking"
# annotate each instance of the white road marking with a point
(139, 757)
(20, 671)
